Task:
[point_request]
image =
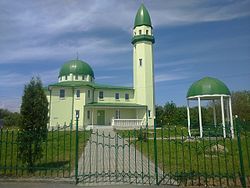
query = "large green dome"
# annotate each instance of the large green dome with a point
(142, 17)
(208, 86)
(76, 67)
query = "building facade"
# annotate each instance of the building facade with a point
(77, 94)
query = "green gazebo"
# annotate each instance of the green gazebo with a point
(211, 89)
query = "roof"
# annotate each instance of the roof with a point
(89, 84)
(139, 38)
(131, 105)
(208, 86)
(142, 17)
(76, 67)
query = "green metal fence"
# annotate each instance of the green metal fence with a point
(208, 161)
(163, 155)
(58, 157)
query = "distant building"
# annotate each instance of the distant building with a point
(77, 93)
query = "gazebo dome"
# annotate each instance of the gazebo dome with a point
(208, 86)
(76, 67)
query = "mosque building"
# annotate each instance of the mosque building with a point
(77, 94)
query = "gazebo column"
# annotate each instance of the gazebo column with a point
(188, 116)
(214, 114)
(200, 117)
(231, 117)
(223, 116)
(228, 114)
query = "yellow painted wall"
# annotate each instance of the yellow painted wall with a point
(144, 74)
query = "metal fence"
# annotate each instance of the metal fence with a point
(164, 155)
(58, 156)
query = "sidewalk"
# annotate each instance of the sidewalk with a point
(65, 185)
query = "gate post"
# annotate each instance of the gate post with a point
(242, 170)
(155, 154)
(76, 157)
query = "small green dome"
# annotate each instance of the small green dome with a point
(142, 17)
(76, 67)
(208, 86)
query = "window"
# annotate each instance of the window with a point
(126, 96)
(76, 77)
(62, 93)
(146, 32)
(77, 113)
(117, 114)
(140, 62)
(60, 78)
(117, 96)
(101, 95)
(149, 113)
(88, 93)
(82, 77)
(135, 33)
(139, 32)
(66, 77)
(88, 114)
(78, 93)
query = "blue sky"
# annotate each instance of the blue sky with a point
(194, 38)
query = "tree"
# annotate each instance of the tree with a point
(9, 119)
(241, 104)
(34, 118)
(12, 120)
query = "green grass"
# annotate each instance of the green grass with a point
(194, 161)
(170, 131)
(58, 154)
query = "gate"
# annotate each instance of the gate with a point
(164, 156)
(110, 157)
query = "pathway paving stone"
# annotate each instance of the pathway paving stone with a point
(109, 158)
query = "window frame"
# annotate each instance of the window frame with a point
(101, 95)
(140, 62)
(78, 91)
(117, 96)
(126, 96)
(62, 91)
(88, 114)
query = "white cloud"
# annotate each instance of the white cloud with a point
(9, 79)
(168, 77)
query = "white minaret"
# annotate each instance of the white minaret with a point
(143, 63)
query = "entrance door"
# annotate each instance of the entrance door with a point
(100, 117)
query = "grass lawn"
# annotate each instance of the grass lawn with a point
(58, 154)
(213, 160)
(173, 131)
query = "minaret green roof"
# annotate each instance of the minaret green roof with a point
(76, 67)
(142, 17)
(208, 86)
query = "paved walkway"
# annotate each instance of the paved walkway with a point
(64, 185)
(110, 158)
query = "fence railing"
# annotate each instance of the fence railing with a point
(165, 155)
(58, 157)
(127, 123)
